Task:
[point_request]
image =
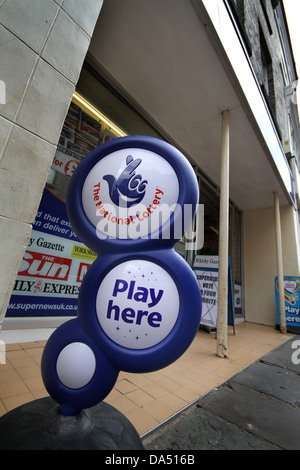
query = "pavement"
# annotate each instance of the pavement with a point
(257, 409)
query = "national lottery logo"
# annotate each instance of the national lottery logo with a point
(129, 189)
(129, 195)
(291, 289)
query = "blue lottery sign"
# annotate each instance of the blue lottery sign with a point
(139, 306)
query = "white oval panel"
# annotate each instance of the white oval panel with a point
(76, 365)
(137, 304)
(130, 193)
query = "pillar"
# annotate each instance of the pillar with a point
(222, 343)
(279, 264)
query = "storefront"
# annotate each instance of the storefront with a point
(55, 261)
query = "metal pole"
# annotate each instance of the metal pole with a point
(279, 265)
(222, 320)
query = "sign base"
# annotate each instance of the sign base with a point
(39, 425)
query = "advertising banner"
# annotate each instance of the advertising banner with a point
(55, 261)
(65, 164)
(206, 269)
(292, 301)
(53, 265)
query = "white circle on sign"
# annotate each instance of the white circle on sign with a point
(137, 304)
(130, 193)
(76, 365)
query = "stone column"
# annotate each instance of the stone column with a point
(222, 342)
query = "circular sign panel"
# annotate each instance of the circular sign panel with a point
(137, 304)
(130, 194)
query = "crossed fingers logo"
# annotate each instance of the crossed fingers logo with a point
(129, 189)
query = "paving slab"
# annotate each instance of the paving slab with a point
(200, 429)
(257, 409)
(282, 356)
(271, 380)
(266, 417)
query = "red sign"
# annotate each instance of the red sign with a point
(44, 266)
(83, 267)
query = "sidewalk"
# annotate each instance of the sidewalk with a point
(147, 400)
(257, 409)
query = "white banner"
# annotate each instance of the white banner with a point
(206, 272)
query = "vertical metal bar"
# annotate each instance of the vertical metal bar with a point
(232, 240)
(222, 320)
(279, 264)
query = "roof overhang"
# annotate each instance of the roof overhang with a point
(181, 64)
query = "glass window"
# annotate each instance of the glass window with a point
(83, 130)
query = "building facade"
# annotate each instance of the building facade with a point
(79, 76)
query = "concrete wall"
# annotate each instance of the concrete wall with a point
(42, 48)
(260, 264)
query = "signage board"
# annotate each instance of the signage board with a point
(292, 301)
(139, 305)
(206, 269)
